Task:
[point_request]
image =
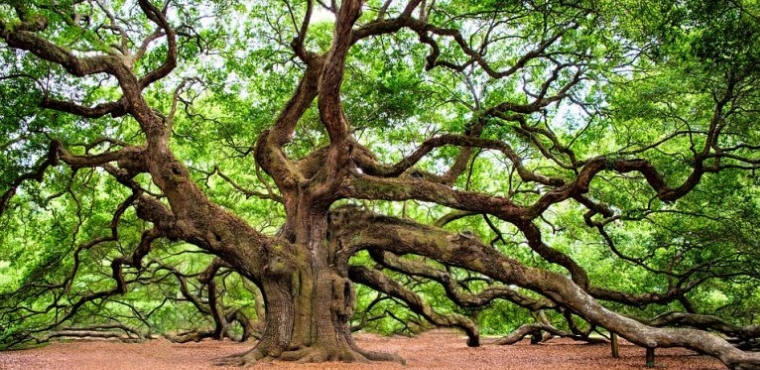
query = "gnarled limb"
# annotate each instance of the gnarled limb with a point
(453, 288)
(378, 281)
(705, 322)
(402, 237)
(536, 329)
(303, 270)
(115, 109)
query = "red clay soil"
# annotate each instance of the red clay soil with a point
(433, 350)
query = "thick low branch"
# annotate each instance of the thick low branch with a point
(405, 237)
(535, 241)
(705, 322)
(454, 290)
(86, 334)
(532, 329)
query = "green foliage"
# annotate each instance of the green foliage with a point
(652, 73)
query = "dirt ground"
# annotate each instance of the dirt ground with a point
(433, 350)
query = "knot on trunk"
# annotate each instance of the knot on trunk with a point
(344, 296)
(281, 262)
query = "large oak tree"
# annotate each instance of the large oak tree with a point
(346, 116)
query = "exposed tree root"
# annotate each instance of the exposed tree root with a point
(380, 356)
(244, 359)
(90, 335)
(309, 355)
(189, 336)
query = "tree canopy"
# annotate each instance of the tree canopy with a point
(294, 171)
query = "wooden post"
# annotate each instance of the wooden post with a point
(650, 356)
(536, 337)
(614, 345)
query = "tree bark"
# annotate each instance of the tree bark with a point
(309, 300)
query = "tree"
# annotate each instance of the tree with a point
(526, 116)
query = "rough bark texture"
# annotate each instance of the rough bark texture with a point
(303, 271)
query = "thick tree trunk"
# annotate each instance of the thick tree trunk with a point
(309, 300)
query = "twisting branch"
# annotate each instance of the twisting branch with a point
(24, 38)
(37, 175)
(369, 166)
(67, 310)
(380, 282)
(159, 18)
(298, 42)
(115, 109)
(362, 230)
(453, 287)
(705, 322)
(537, 328)
(246, 192)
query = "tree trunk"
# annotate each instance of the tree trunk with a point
(309, 300)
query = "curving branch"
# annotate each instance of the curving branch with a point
(25, 38)
(159, 18)
(370, 167)
(66, 310)
(535, 331)
(38, 175)
(454, 288)
(248, 193)
(378, 281)
(115, 109)
(298, 42)
(705, 322)
(406, 237)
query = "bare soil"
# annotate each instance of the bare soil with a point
(433, 350)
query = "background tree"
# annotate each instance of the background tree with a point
(444, 155)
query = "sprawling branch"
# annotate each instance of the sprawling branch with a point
(37, 175)
(158, 17)
(115, 109)
(269, 154)
(454, 288)
(705, 322)
(405, 237)
(363, 186)
(370, 167)
(115, 331)
(377, 280)
(24, 37)
(475, 55)
(537, 328)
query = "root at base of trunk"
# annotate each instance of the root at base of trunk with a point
(308, 355)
